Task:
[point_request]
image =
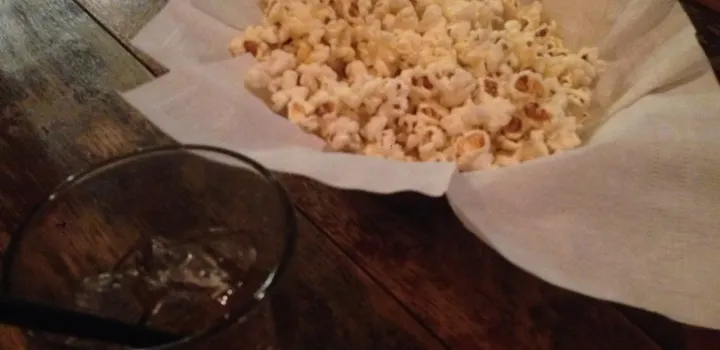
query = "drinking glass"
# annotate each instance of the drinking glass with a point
(187, 239)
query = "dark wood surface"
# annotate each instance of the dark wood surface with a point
(705, 15)
(372, 272)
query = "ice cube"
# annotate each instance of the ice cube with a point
(182, 263)
(109, 295)
(186, 311)
(175, 285)
(159, 261)
(240, 254)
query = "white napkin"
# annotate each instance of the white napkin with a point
(633, 216)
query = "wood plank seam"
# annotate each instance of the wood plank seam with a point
(126, 45)
(375, 280)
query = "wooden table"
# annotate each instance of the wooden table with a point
(372, 272)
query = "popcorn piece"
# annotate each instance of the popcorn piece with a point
(406, 19)
(324, 104)
(563, 136)
(394, 108)
(373, 130)
(313, 75)
(432, 110)
(431, 17)
(343, 135)
(534, 146)
(255, 41)
(288, 80)
(258, 77)
(507, 144)
(319, 54)
(471, 151)
(393, 151)
(527, 84)
(506, 158)
(454, 122)
(490, 87)
(514, 130)
(457, 88)
(579, 97)
(299, 112)
(281, 98)
(357, 73)
(494, 114)
(536, 113)
(278, 62)
(427, 139)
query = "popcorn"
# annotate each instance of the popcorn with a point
(255, 41)
(299, 112)
(373, 130)
(494, 114)
(503, 159)
(432, 110)
(527, 85)
(258, 78)
(324, 104)
(534, 146)
(428, 140)
(394, 108)
(342, 134)
(514, 130)
(454, 122)
(280, 99)
(484, 84)
(471, 151)
(563, 135)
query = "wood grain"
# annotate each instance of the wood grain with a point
(58, 108)
(458, 286)
(329, 292)
(705, 16)
(126, 17)
(711, 4)
(59, 112)
(701, 339)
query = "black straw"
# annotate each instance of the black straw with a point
(46, 318)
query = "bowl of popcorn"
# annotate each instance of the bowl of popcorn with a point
(482, 84)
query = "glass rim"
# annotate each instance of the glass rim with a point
(266, 289)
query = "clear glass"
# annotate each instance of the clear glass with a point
(188, 239)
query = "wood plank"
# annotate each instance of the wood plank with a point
(124, 19)
(668, 334)
(58, 108)
(701, 339)
(705, 16)
(130, 20)
(331, 304)
(462, 289)
(59, 113)
(711, 4)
